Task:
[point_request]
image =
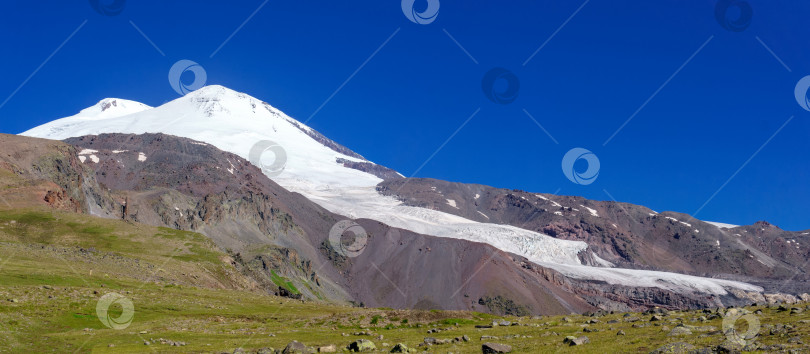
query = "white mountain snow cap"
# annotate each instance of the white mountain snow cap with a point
(229, 120)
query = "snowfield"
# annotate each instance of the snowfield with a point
(722, 225)
(234, 122)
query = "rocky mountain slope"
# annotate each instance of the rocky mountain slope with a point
(626, 235)
(280, 238)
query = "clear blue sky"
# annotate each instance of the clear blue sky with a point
(588, 79)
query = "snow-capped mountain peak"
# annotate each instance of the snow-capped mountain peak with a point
(111, 108)
(320, 169)
(232, 121)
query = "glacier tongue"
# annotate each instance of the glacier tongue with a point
(234, 122)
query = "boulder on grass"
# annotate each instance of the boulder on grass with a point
(492, 348)
(296, 347)
(571, 340)
(362, 345)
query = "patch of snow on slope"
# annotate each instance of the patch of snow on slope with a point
(676, 220)
(87, 152)
(593, 211)
(82, 158)
(484, 215)
(546, 199)
(141, 157)
(722, 225)
(647, 278)
(452, 203)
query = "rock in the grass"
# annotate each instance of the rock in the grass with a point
(328, 349)
(483, 326)
(656, 318)
(674, 348)
(504, 323)
(296, 347)
(730, 346)
(266, 351)
(401, 348)
(362, 345)
(465, 338)
(752, 347)
(680, 331)
(620, 333)
(581, 340)
(571, 340)
(492, 348)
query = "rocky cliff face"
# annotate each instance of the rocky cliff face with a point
(38, 172)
